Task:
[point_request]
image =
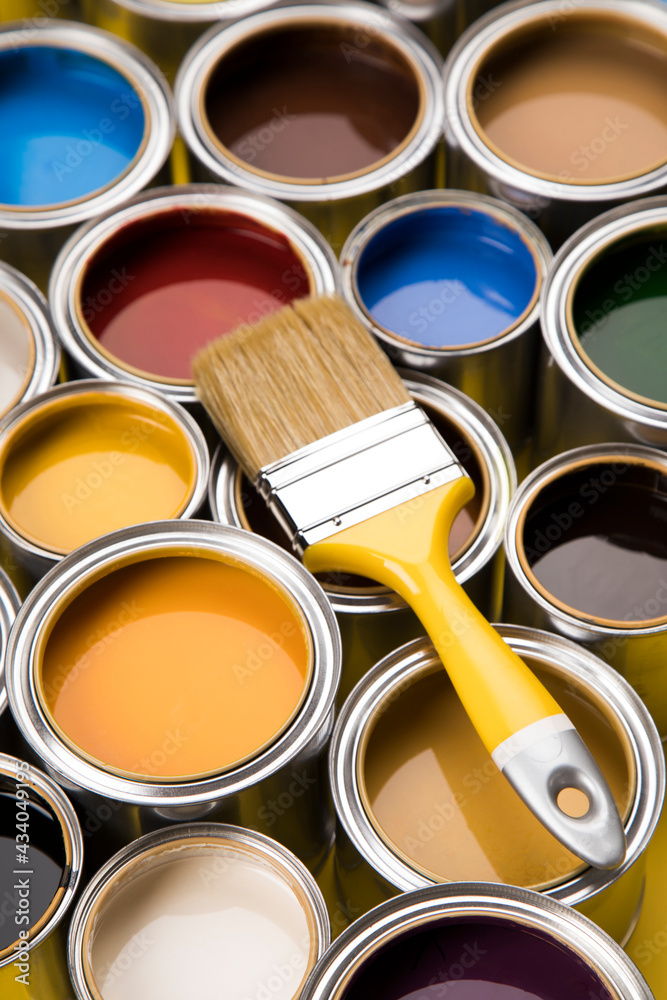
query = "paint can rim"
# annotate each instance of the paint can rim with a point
(405, 205)
(269, 851)
(191, 433)
(565, 659)
(576, 254)
(171, 11)
(576, 625)
(195, 537)
(462, 63)
(411, 43)
(561, 924)
(64, 813)
(305, 240)
(29, 301)
(159, 120)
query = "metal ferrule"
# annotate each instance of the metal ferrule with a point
(558, 208)
(365, 469)
(576, 406)
(31, 237)
(368, 868)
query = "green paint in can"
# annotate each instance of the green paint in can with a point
(619, 312)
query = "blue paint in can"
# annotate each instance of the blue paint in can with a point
(70, 124)
(447, 277)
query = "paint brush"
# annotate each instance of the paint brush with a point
(361, 480)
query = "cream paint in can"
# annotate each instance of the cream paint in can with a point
(207, 908)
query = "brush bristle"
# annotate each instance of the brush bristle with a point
(304, 372)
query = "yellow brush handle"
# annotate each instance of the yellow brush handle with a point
(406, 548)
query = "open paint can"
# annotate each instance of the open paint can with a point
(475, 941)
(449, 283)
(86, 123)
(202, 909)
(557, 108)
(86, 458)
(373, 620)
(136, 292)
(419, 799)
(177, 670)
(41, 852)
(587, 557)
(165, 29)
(29, 351)
(336, 107)
(604, 372)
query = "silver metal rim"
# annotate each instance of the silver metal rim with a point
(576, 627)
(89, 238)
(215, 43)
(487, 31)
(159, 130)
(177, 538)
(408, 204)
(33, 306)
(373, 930)
(574, 663)
(481, 431)
(196, 13)
(64, 812)
(418, 13)
(278, 855)
(10, 602)
(132, 393)
(576, 252)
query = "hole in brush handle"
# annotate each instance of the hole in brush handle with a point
(573, 802)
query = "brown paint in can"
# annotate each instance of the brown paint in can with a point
(579, 101)
(431, 790)
(312, 103)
